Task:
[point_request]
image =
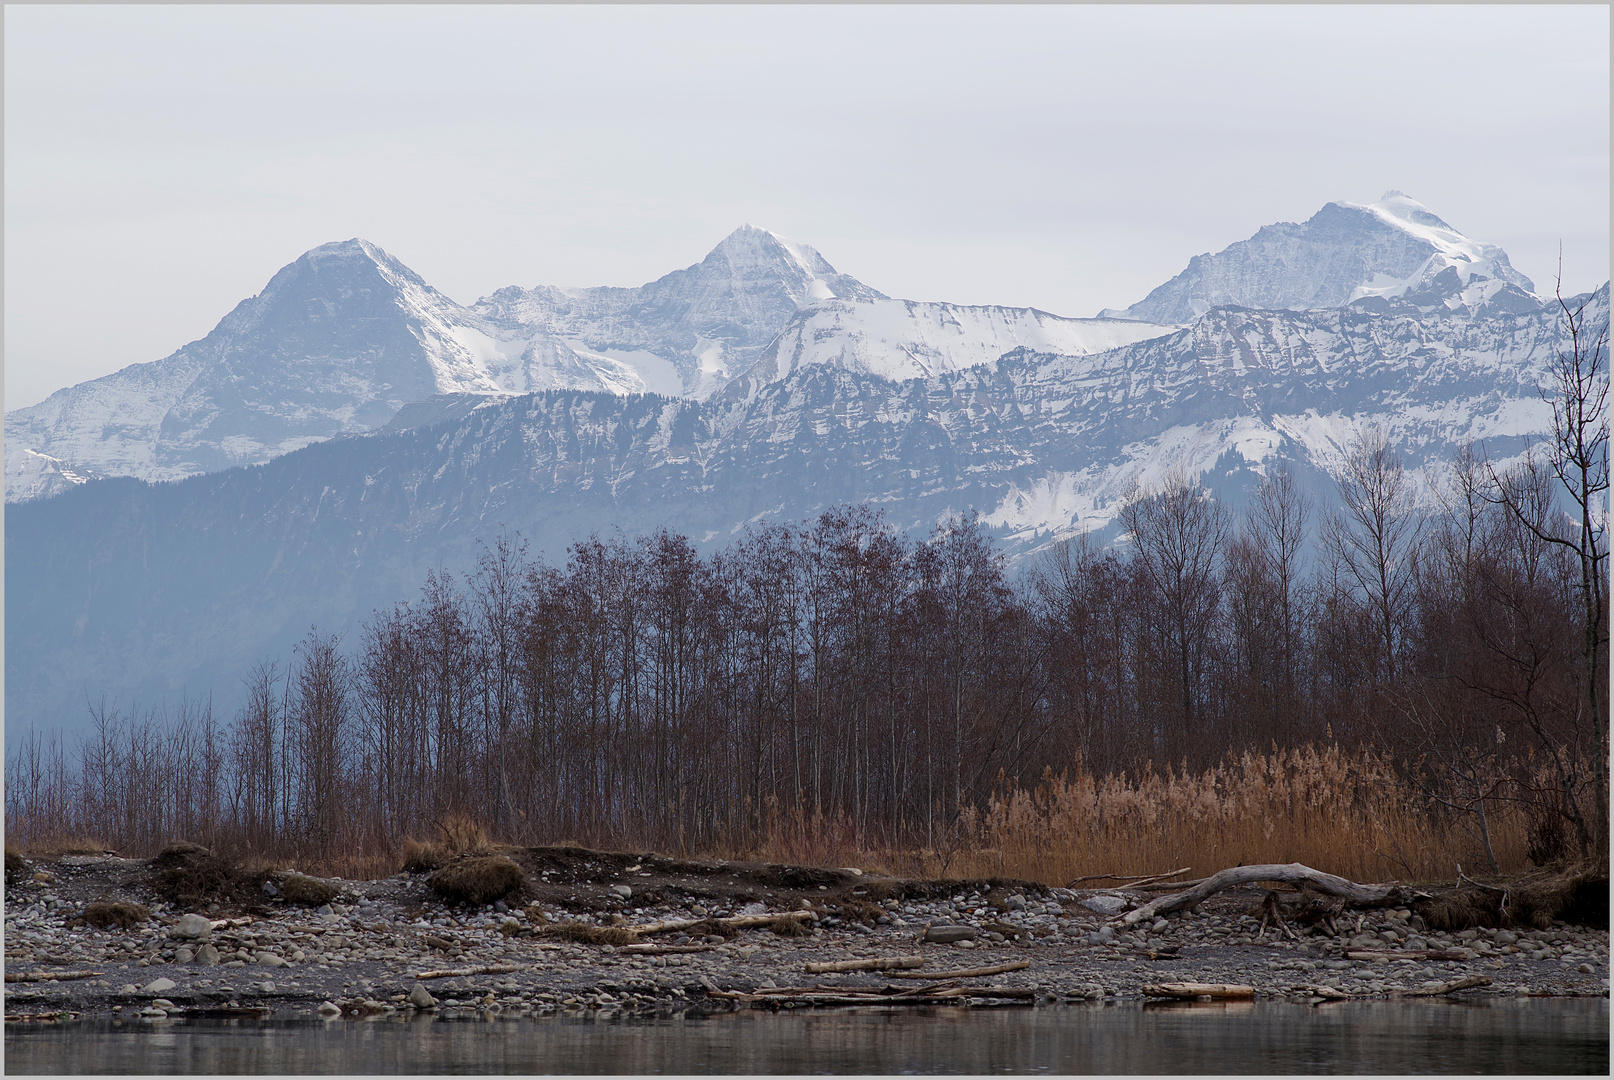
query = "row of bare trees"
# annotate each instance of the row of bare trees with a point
(835, 670)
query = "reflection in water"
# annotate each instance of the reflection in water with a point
(1498, 1036)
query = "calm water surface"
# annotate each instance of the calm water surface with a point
(1502, 1036)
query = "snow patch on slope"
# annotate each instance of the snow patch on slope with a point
(31, 475)
(909, 339)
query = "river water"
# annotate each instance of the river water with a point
(1489, 1036)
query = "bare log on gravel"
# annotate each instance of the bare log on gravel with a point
(1415, 954)
(662, 950)
(1199, 990)
(887, 963)
(934, 994)
(1327, 993)
(733, 922)
(49, 976)
(457, 973)
(967, 973)
(1291, 873)
(1468, 982)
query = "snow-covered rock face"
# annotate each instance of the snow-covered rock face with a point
(39, 476)
(1344, 252)
(345, 336)
(907, 339)
(705, 324)
(336, 343)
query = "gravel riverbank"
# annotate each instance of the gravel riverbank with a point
(365, 952)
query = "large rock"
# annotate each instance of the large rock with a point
(1105, 905)
(191, 926)
(946, 935)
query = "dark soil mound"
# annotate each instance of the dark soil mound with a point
(1576, 897)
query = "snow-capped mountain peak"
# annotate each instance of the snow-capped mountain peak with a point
(1344, 252)
(748, 251)
(1450, 248)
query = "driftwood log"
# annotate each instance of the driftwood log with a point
(932, 994)
(49, 976)
(1291, 873)
(1415, 954)
(661, 950)
(886, 963)
(1467, 982)
(733, 922)
(457, 973)
(1198, 990)
(966, 973)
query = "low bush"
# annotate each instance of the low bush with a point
(191, 876)
(476, 880)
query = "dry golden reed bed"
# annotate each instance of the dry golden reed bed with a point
(1347, 814)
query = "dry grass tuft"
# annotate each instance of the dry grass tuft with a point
(457, 834)
(588, 934)
(106, 914)
(311, 892)
(463, 835)
(476, 880)
(790, 927)
(423, 856)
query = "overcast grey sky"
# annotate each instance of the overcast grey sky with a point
(163, 162)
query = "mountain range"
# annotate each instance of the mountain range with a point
(801, 388)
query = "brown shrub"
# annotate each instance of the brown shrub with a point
(311, 892)
(476, 880)
(422, 856)
(190, 876)
(16, 865)
(105, 914)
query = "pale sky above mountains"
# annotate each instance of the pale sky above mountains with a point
(163, 162)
